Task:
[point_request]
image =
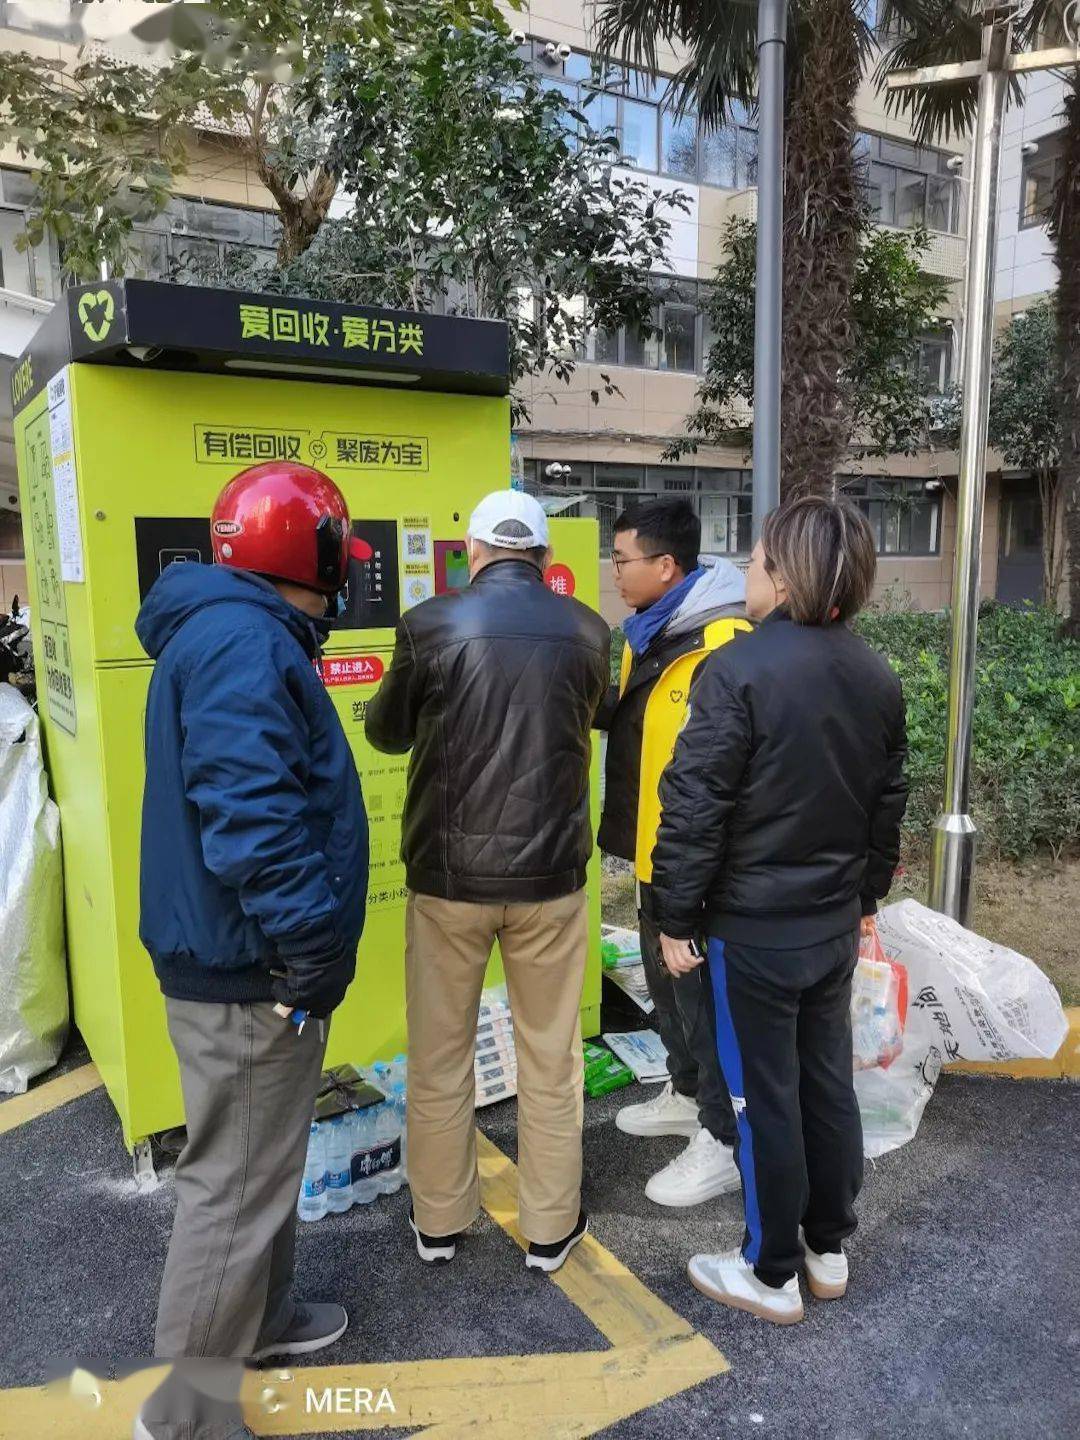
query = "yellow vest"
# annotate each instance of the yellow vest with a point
(665, 711)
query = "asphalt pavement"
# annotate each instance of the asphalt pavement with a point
(962, 1317)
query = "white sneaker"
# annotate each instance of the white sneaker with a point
(730, 1280)
(668, 1113)
(826, 1275)
(705, 1169)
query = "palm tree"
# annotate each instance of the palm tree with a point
(829, 43)
(1065, 229)
(946, 32)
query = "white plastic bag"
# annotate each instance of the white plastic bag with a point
(33, 971)
(968, 999)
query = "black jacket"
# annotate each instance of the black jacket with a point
(782, 805)
(495, 689)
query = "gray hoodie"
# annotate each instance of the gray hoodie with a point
(720, 591)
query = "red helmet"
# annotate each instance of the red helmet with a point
(288, 521)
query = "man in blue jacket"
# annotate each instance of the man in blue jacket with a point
(253, 888)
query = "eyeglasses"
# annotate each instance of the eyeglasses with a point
(618, 561)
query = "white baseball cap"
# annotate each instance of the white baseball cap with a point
(510, 520)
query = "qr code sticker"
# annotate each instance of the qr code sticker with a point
(416, 544)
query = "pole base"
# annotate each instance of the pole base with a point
(952, 863)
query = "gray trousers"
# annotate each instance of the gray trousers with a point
(686, 1019)
(249, 1082)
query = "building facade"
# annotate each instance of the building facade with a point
(593, 459)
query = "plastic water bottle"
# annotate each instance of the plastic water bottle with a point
(399, 1068)
(365, 1187)
(338, 1167)
(398, 1099)
(380, 1076)
(387, 1131)
(312, 1202)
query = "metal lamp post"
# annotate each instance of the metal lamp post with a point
(771, 46)
(953, 847)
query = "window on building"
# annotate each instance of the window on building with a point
(722, 497)
(729, 153)
(50, 19)
(933, 365)
(11, 536)
(904, 516)
(1039, 178)
(653, 135)
(202, 232)
(678, 338)
(29, 271)
(907, 185)
(679, 144)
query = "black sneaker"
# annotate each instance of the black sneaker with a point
(313, 1328)
(432, 1247)
(551, 1257)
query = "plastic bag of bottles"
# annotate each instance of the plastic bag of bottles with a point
(879, 997)
(354, 1157)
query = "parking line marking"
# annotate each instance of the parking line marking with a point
(609, 1295)
(50, 1096)
(655, 1354)
(565, 1395)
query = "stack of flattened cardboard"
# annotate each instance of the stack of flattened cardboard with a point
(496, 1058)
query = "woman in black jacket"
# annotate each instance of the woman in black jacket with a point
(780, 832)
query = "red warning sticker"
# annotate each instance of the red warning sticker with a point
(560, 578)
(352, 669)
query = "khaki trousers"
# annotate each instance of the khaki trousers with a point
(447, 946)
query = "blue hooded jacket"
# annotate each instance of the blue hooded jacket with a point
(253, 830)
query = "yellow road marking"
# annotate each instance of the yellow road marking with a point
(655, 1354)
(601, 1287)
(555, 1395)
(50, 1096)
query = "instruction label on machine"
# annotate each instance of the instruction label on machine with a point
(417, 561)
(384, 798)
(56, 541)
(384, 778)
(65, 488)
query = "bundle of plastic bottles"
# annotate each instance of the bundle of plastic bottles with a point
(354, 1158)
(878, 1008)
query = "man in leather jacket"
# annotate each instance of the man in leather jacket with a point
(494, 689)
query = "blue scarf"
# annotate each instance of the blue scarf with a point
(642, 628)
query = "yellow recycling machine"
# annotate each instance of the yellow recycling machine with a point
(134, 405)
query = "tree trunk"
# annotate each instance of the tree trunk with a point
(1066, 232)
(1053, 557)
(821, 229)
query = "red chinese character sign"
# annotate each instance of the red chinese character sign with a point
(351, 669)
(560, 579)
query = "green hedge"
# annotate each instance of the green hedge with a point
(1025, 763)
(1025, 776)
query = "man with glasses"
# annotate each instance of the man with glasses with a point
(685, 606)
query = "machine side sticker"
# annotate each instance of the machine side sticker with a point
(51, 601)
(64, 478)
